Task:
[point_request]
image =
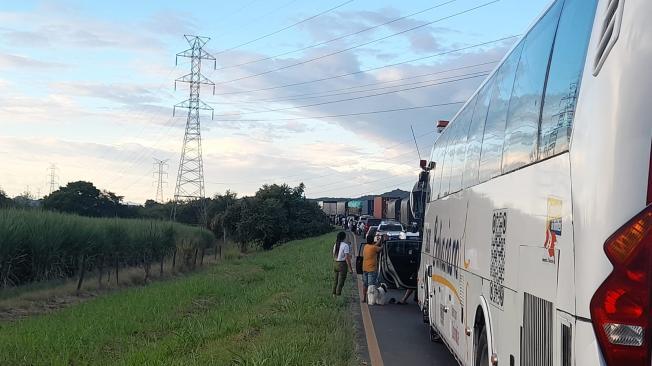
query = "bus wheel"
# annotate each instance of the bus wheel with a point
(434, 335)
(424, 313)
(482, 350)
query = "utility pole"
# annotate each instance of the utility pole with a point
(160, 172)
(54, 178)
(190, 177)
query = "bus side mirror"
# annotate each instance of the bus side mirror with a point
(432, 165)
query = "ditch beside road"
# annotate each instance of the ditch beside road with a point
(396, 334)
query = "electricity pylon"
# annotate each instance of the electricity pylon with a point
(161, 174)
(54, 178)
(190, 177)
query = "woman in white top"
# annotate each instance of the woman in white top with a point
(342, 257)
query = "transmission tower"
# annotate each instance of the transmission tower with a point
(160, 172)
(54, 178)
(190, 177)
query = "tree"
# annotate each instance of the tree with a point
(83, 198)
(275, 214)
(5, 201)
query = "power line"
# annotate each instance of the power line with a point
(373, 68)
(284, 28)
(321, 94)
(309, 178)
(336, 38)
(356, 46)
(344, 114)
(356, 98)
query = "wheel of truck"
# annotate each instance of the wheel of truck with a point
(434, 335)
(481, 349)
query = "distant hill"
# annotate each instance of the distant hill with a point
(398, 193)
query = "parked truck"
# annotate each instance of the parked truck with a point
(329, 207)
(393, 209)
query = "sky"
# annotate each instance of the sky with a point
(89, 87)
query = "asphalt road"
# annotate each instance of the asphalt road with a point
(401, 336)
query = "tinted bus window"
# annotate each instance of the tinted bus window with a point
(440, 151)
(521, 132)
(494, 130)
(463, 120)
(474, 137)
(447, 161)
(568, 58)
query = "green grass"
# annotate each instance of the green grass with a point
(269, 308)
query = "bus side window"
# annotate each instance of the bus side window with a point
(566, 66)
(440, 146)
(461, 132)
(474, 138)
(444, 157)
(521, 132)
(451, 151)
(494, 130)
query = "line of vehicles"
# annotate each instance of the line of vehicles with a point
(537, 227)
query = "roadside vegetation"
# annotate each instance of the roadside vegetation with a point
(266, 308)
(37, 245)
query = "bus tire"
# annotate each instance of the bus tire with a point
(424, 314)
(434, 335)
(482, 350)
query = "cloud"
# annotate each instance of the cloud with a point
(63, 27)
(172, 23)
(120, 93)
(9, 61)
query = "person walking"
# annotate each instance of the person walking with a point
(342, 257)
(370, 264)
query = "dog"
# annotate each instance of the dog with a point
(381, 294)
(377, 295)
(372, 293)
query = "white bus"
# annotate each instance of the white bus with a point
(538, 229)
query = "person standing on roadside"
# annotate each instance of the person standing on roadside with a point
(342, 257)
(370, 264)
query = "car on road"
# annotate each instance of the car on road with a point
(371, 221)
(392, 229)
(371, 232)
(399, 262)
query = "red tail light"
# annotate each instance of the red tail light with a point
(620, 308)
(649, 180)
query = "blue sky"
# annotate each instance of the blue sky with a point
(89, 86)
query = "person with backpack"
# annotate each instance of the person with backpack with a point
(370, 264)
(342, 260)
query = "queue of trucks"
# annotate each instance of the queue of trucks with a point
(380, 207)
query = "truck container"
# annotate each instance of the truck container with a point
(367, 207)
(354, 207)
(329, 207)
(379, 207)
(341, 208)
(406, 213)
(393, 210)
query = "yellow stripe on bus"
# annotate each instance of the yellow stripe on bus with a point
(447, 283)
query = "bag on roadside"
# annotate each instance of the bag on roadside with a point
(358, 260)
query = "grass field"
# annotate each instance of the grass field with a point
(269, 308)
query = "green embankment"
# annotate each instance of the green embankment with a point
(269, 308)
